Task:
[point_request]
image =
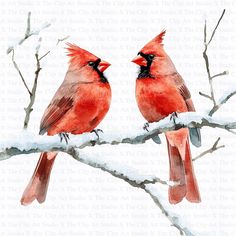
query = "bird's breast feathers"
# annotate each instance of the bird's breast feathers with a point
(157, 98)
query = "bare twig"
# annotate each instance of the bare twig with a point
(205, 95)
(62, 39)
(19, 71)
(220, 74)
(214, 31)
(44, 55)
(58, 41)
(210, 150)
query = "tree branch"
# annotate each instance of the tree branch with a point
(216, 105)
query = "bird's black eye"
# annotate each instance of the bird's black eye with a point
(91, 63)
(150, 56)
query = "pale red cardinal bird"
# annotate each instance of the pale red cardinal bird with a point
(160, 91)
(78, 106)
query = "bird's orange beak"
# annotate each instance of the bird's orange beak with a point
(103, 65)
(140, 61)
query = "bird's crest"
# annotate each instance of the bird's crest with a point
(159, 38)
(78, 56)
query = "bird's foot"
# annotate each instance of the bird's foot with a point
(173, 116)
(145, 127)
(64, 136)
(96, 131)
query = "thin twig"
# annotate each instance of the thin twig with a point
(220, 74)
(214, 31)
(44, 55)
(62, 39)
(58, 41)
(205, 95)
(28, 25)
(210, 150)
(19, 72)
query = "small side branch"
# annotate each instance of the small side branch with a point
(210, 150)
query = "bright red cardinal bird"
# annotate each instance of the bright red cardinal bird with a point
(160, 91)
(78, 106)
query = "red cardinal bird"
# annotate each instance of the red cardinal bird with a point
(78, 106)
(160, 91)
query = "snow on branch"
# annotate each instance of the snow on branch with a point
(33, 144)
(28, 33)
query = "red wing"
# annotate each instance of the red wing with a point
(179, 82)
(54, 112)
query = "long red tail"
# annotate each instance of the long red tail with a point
(38, 185)
(181, 170)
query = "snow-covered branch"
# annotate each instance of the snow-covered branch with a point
(28, 33)
(32, 92)
(32, 144)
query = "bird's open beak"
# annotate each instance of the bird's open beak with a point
(139, 60)
(103, 65)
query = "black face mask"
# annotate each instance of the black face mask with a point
(145, 70)
(95, 65)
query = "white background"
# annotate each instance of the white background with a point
(86, 201)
